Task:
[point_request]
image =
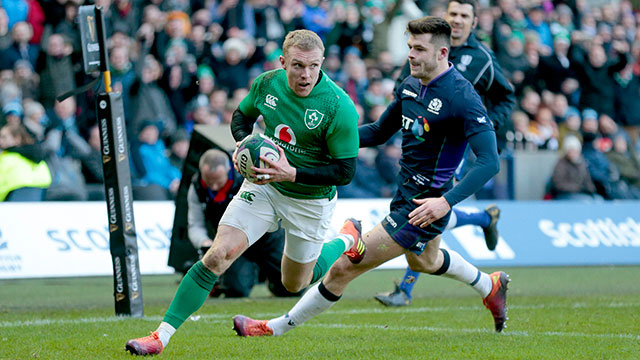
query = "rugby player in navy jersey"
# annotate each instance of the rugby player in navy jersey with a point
(477, 64)
(439, 113)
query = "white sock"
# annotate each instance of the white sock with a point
(462, 270)
(453, 221)
(311, 304)
(347, 239)
(165, 331)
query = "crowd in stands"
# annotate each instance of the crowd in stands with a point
(575, 66)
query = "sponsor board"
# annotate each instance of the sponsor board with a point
(532, 233)
(57, 239)
(72, 239)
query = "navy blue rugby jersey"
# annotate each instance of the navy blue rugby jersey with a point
(436, 120)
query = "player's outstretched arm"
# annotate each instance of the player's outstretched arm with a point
(486, 166)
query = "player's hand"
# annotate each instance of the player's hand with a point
(428, 211)
(278, 171)
(234, 156)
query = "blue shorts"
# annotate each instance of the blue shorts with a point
(410, 237)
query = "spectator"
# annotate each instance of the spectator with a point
(521, 138)
(269, 27)
(291, 14)
(21, 49)
(555, 69)
(544, 129)
(559, 107)
(125, 16)
(13, 112)
(232, 71)
(570, 179)
(217, 102)
(26, 79)
(627, 90)
(65, 148)
(16, 11)
(235, 16)
(25, 174)
(148, 101)
(179, 148)
(5, 34)
(536, 22)
(152, 167)
(122, 76)
(315, 17)
(595, 74)
(35, 119)
(605, 176)
(514, 61)
(36, 18)
(570, 126)
(56, 69)
(627, 165)
(69, 28)
(530, 103)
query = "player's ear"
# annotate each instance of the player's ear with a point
(444, 53)
(282, 62)
(475, 22)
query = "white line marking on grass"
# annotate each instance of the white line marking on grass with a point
(224, 318)
(474, 331)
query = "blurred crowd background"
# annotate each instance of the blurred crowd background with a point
(574, 64)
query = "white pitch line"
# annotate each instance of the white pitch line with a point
(224, 318)
(475, 331)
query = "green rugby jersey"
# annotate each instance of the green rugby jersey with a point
(312, 130)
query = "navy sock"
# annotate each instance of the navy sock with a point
(409, 279)
(481, 218)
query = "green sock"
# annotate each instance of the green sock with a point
(192, 292)
(331, 251)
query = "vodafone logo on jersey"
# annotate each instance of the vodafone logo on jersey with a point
(284, 133)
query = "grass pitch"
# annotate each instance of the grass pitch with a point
(556, 313)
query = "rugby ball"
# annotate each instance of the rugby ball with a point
(249, 152)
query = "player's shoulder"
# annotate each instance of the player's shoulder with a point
(270, 77)
(463, 90)
(333, 90)
(409, 87)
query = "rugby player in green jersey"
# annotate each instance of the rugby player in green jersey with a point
(315, 125)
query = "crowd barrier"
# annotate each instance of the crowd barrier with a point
(72, 239)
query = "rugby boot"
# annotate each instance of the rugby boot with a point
(148, 345)
(394, 298)
(353, 227)
(496, 301)
(491, 231)
(245, 326)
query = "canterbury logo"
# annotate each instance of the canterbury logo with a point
(270, 101)
(247, 195)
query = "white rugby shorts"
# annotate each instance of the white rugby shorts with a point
(256, 209)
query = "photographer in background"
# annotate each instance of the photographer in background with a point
(211, 190)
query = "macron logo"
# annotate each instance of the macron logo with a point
(482, 119)
(410, 93)
(270, 101)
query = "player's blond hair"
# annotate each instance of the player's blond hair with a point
(303, 39)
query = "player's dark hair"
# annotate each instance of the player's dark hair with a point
(473, 4)
(438, 27)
